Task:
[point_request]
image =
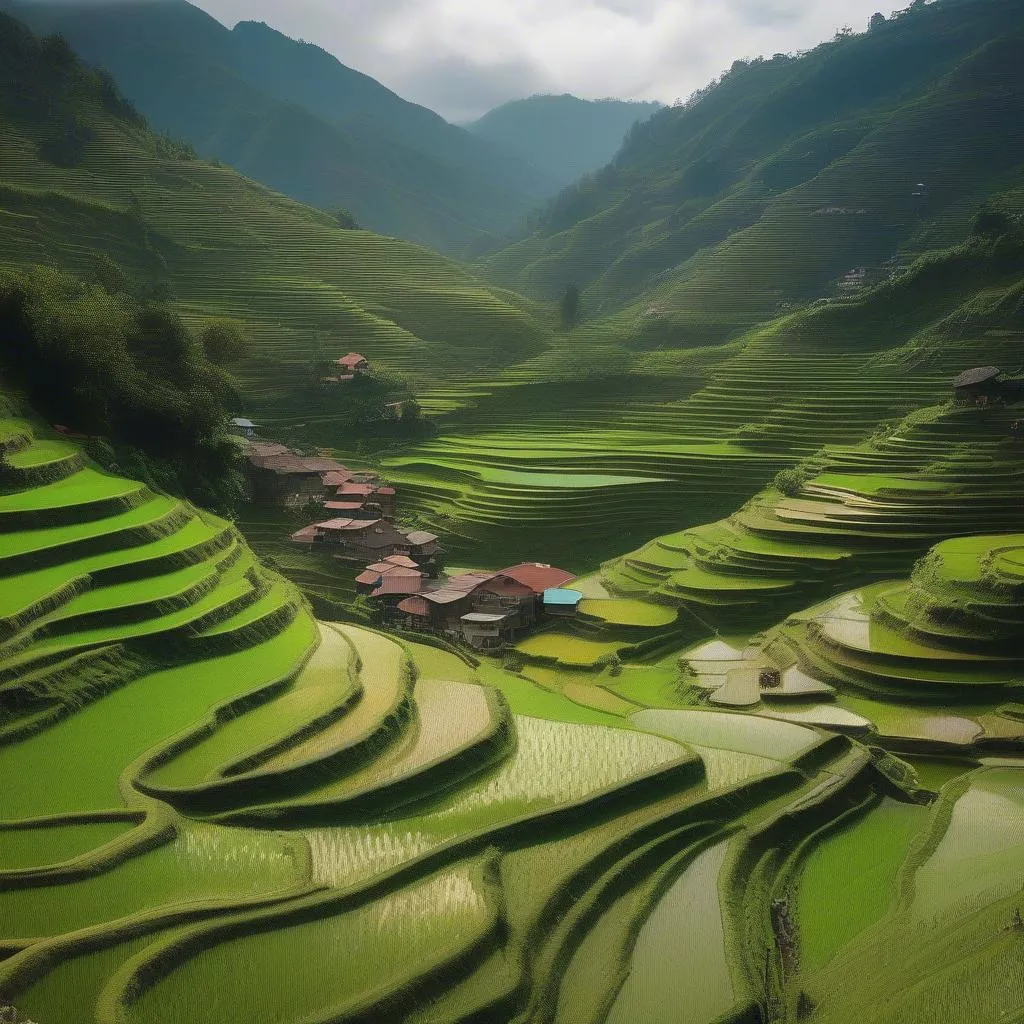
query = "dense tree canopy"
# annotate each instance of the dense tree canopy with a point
(120, 368)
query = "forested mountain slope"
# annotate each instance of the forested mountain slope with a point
(293, 117)
(772, 185)
(565, 136)
(83, 182)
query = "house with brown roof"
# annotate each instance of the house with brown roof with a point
(394, 567)
(436, 611)
(978, 384)
(372, 540)
(285, 478)
(372, 492)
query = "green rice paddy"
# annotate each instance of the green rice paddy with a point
(216, 808)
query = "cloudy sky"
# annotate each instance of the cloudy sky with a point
(462, 57)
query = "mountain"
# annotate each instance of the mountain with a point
(86, 186)
(564, 136)
(770, 186)
(293, 117)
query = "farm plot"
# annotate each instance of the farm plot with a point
(849, 879)
(324, 966)
(745, 734)
(201, 865)
(679, 969)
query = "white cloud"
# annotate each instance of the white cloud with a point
(462, 57)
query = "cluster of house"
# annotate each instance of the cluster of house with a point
(484, 610)
(359, 507)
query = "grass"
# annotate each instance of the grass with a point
(679, 969)
(849, 879)
(276, 975)
(36, 847)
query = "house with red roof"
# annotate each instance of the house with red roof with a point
(518, 592)
(353, 363)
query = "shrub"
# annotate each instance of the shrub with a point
(125, 369)
(66, 145)
(513, 661)
(224, 341)
(791, 481)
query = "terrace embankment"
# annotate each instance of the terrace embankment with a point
(388, 831)
(856, 514)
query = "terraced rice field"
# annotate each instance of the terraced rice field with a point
(216, 808)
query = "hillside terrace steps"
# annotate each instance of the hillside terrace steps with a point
(84, 496)
(39, 463)
(365, 724)
(52, 546)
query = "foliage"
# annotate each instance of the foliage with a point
(569, 309)
(791, 481)
(991, 222)
(344, 219)
(224, 341)
(124, 369)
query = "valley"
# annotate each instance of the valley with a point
(752, 754)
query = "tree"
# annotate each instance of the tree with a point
(344, 219)
(224, 341)
(877, 21)
(570, 307)
(990, 222)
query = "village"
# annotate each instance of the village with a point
(402, 573)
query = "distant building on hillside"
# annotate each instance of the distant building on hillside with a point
(978, 385)
(243, 427)
(284, 478)
(372, 540)
(352, 363)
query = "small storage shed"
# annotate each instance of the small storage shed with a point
(561, 602)
(981, 381)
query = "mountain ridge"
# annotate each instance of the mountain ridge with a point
(563, 135)
(244, 96)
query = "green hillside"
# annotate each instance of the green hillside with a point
(591, 448)
(291, 116)
(565, 136)
(83, 182)
(775, 182)
(216, 808)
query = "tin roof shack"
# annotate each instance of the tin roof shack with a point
(243, 427)
(288, 479)
(562, 603)
(486, 631)
(978, 386)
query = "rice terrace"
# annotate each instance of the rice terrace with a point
(561, 562)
